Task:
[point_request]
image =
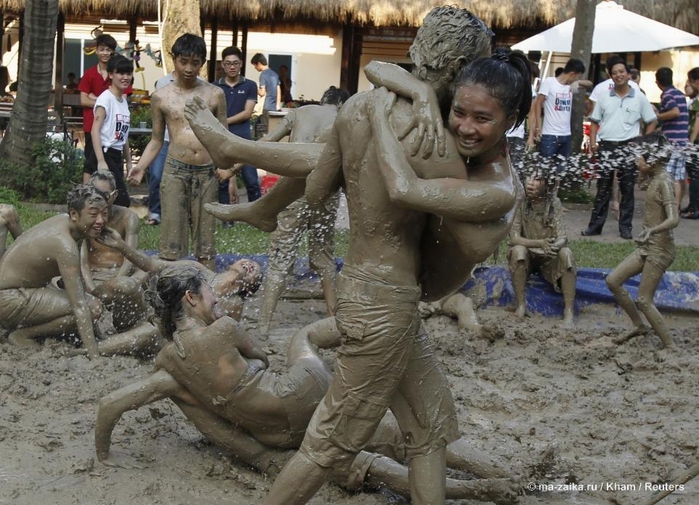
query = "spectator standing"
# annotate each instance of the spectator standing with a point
(110, 126)
(285, 84)
(674, 120)
(241, 97)
(617, 117)
(269, 88)
(692, 163)
(556, 98)
(93, 83)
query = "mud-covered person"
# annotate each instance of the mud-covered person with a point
(9, 223)
(29, 305)
(538, 240)
(219, 377)
(655, 245)
(188, 180)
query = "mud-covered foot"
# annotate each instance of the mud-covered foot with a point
(19, 338)
(635, 332)
(568, 322)
(241, 212)
(520, 312)
(210, 132)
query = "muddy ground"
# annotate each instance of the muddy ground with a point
(569, 407)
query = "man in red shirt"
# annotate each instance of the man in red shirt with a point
(92, 84)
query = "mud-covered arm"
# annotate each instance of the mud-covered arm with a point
(326, 178)
(672, 215)
(426, 116)
(132, 397)
(131, 240)
(85, 268)
(561, 238)
(451, 198)
(282, 129)
(69, 267)
(111, 238)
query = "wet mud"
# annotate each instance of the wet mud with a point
(588, 421)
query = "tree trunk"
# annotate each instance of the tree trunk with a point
(183, 16)
(30, 110)
(582, 50)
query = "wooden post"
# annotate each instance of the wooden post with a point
(244, 48)
(213, 50)
(58, 80)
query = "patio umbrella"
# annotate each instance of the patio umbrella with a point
(616, 31)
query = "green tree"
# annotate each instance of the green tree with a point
(30, 111)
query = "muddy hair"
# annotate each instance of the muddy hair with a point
(103, 175)
(166, 291)
(506, 76)
(79, 195)
(189, 45)
(334, 96)
(448, 33)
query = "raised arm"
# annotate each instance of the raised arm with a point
(457, 199)
(426, 112)
(132, 397)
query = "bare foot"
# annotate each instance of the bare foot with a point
(568, 322)
(520, 312)
(635, 332)
(211, 133)
(21, 339)
(244, 212)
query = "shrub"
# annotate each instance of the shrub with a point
(57, 168)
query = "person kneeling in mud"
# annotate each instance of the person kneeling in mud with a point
(538, 243)
(219, 377)
(655, 245)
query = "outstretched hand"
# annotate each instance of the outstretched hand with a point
(382, 102)
(427, 119)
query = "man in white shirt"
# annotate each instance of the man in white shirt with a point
(556, 98)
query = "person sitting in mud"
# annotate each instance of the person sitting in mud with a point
(29, 306)
(112, 278)
(9, 223)
(655, 245)
(538, 241)
(219, 377)
(232, 286)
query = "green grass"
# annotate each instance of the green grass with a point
(244, 239)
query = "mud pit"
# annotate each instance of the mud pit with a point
(570, 406)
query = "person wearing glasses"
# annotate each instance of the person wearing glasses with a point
(241, 97)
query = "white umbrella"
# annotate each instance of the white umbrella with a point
(616, 31)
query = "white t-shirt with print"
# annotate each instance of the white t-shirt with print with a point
(115, 129)
(558, 104)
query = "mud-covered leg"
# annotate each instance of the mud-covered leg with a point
(630, 266)
(646, 290)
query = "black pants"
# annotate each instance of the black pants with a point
(693, 175)
(614, 159)
(115, 162)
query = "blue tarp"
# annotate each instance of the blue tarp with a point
(491, 286)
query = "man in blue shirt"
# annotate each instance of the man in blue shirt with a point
(241, 97)
(269, 89)
(675, 126)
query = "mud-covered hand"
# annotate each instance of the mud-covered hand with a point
(110, 238)
(643, 237)
(427, 119)
(381, 103)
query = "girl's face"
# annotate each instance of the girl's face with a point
(478, 122)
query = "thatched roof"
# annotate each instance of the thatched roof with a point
(683, 14)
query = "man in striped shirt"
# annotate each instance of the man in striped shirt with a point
(674, 117)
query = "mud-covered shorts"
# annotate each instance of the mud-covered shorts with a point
(550, 268)
(32, 306)
(385, 361)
